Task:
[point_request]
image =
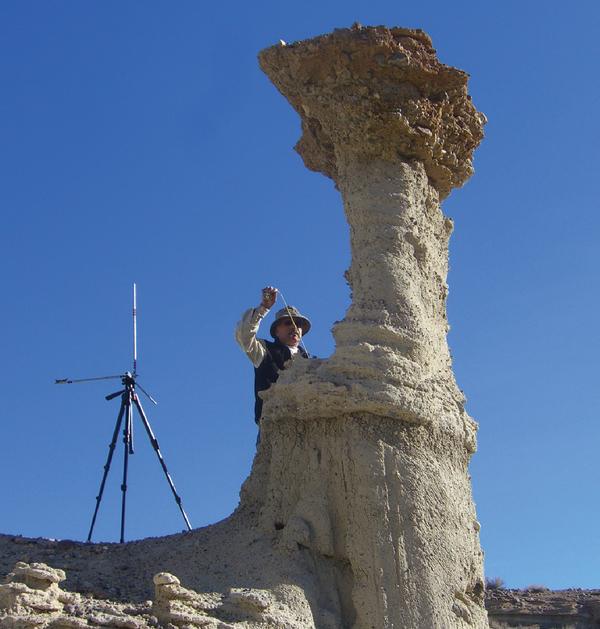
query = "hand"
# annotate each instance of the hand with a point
(269, 296)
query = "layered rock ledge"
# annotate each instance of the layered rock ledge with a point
(538, 607)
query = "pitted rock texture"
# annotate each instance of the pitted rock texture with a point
(358, 512)
(382, 93)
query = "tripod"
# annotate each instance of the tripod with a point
(129, 399)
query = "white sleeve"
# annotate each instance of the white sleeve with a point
(245, 334)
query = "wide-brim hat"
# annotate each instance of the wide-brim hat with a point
(289, 312)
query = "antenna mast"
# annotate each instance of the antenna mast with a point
(134, 331)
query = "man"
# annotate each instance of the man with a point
(269, 357)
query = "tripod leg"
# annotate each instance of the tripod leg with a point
(154, 442)
(130, 430)
(126, 451)
(111, 449)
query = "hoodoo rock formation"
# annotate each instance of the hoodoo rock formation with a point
(376, 483)
(358, 511)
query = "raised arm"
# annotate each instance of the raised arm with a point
(247, 328)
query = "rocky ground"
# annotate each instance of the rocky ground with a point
(33, 595)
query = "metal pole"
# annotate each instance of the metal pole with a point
(134, 330)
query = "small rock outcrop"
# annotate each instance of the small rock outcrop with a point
(31, 597)
(358, 512)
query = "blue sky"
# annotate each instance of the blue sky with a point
(141, 142)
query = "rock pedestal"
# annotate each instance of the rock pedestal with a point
(358, 512)
(363, 461)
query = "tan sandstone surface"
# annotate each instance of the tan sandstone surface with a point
(358, 511)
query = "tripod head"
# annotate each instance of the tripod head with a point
(129, 382)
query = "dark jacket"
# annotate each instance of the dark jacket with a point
(268, 370)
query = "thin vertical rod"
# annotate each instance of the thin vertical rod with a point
(134, 330)
(154, 442)
(131, 426)
(111, 449)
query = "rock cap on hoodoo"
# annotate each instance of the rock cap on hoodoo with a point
(377, 92)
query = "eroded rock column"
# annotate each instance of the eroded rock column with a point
(363, 463)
